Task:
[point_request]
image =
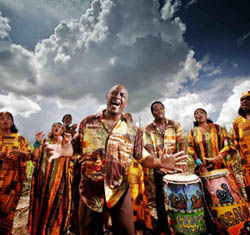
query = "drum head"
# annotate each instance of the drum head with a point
(181, 178)
(215, 173)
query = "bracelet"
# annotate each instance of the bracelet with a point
(37, 144)
(198, 162)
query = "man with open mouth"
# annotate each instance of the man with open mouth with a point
(108, 142)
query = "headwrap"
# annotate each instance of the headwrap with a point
(200, 109)
(245, 94)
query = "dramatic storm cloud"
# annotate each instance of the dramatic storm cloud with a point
(109, 44)
(60, 56)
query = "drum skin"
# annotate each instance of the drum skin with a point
(225, 202)
(184, 204)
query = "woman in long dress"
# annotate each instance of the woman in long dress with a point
(50, 198)
(14, 154)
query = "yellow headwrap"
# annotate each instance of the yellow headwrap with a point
(245, 94)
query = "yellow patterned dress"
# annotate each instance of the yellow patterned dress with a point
(12, 173)
(50, 197)
(241, 140)
(215, 141)
(142, 217)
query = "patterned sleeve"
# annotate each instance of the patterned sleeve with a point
(226, 145)
(24, 146)
(235, 135)
(191, 146)
(77, 142)
(228, 149)
(225, 137)
(180, 138)
(148, 143)
(140, 153)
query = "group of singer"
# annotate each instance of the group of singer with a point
(109, 175)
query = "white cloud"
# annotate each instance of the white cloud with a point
(18, 70)
(210, 68)
(235, 65)
(4, 27)
(189, 70)
(215, 71)
(191, 3)
(169, 9)
(182, 109)
(242, 39)
(230, 108)
(18, 105)
(46, 10)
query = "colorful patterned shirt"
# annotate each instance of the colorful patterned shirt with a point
(208, 145)
(105, 159)
(241, 140)
(173, 139)
(12, 173)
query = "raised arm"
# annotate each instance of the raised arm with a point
(63, 148)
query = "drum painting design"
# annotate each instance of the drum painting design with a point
(184, 203)
(225, 202)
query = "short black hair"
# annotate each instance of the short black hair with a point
(156, 102)
(66, 115)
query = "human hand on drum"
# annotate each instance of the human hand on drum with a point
(215, 160)
(173, 162)
(202, 168)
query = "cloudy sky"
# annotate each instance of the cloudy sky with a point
(61, 56)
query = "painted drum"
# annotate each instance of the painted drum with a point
(226, 205)
(184, 203)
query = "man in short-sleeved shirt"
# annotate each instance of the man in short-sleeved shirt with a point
(241, 138)
(107, 144)
(161, 135)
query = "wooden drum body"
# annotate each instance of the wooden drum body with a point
(227, 207)
(184, 203)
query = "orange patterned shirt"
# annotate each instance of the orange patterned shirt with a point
(105, 158)
(173, 139)
(208, 145)
(241, 140)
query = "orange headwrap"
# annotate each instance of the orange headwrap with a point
(244, 94)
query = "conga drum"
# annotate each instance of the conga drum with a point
(184, 203)
(226, 205)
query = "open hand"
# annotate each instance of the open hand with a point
(2, 155)
(173, 162)
(215, 160)
(74, 126)
(15, 154)
(40, 136)
(63, 148)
